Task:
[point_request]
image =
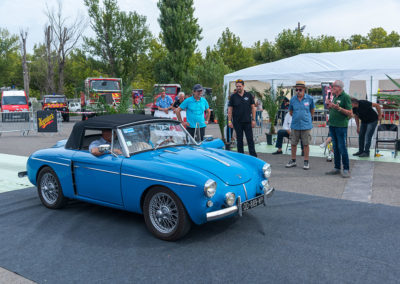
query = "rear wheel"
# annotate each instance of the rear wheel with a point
(49, 189)
(165, 215)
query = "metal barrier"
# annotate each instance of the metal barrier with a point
(24, 122)
(321, 129)
(19, 121)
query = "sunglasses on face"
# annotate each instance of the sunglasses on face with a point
(299, 90)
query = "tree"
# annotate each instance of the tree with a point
(289, 43)
(265, 52)
(180, 33)
(65, 38)
(48, 35)
(23, 36)
(10, 68)
(212, 73)
(230, 48)
(121, 38)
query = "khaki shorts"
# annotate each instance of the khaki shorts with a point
(304, 135)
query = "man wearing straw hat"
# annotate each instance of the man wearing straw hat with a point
(301, 109)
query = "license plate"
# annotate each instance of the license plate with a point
(249, 204)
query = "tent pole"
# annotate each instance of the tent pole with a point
(370, 93)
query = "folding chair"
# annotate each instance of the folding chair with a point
(392, 139)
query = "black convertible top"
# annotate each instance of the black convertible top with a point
(112, 121)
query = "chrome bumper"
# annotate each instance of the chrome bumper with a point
(234, 208)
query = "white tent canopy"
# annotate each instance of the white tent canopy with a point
(370, 65)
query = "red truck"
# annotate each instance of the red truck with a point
(56, 102)
(14, 105)
(110, 89)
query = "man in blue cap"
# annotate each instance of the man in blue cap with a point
(195, 107)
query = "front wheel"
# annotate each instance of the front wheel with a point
(49, 189)
(165, 215)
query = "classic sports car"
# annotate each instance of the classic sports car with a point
(162, 173)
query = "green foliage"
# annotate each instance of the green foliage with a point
(120, 38)
(212, 72)
(180, 33)
(234, 55)
(395, 98)
(272, 102)
(10, 60)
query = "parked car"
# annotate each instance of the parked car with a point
(162, 173)
(74, 107)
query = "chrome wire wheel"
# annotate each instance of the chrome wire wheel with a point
(50, 188)
(163, 213)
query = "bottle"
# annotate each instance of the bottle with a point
(392, 154)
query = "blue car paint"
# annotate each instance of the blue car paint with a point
(184, 172)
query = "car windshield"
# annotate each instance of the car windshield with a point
(53, 100)
(105, 85)
(154, 135)
(14, 100)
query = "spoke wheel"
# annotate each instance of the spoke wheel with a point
(165, 214)
(49, 189)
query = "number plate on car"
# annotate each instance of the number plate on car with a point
(249, 204)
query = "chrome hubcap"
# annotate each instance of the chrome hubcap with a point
(163, 213)
(49, 188)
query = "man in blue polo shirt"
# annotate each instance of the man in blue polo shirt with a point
(195, 107)
(164, 102)
(302, 110)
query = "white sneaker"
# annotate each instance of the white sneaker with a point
(322, 145)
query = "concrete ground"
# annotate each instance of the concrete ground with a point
(373, 180)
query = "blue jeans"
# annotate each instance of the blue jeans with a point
(365, 136)
(339, 137)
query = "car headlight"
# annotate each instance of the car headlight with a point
(210, 187)
(266, 170)
(230, 198)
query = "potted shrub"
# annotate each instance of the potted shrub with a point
(271, 104)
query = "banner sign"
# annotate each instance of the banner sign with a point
(47, 120)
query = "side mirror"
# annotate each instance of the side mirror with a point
(30, 104)
(104, 147)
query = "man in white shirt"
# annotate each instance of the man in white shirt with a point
(284, 132)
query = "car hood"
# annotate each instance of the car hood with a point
(229, 170)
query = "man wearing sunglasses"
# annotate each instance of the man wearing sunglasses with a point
(301, 109)
(242, 109)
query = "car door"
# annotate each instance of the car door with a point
(98, 178)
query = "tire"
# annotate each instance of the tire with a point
(49, 189)
(164, 214)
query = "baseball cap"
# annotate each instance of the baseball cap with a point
(197, 87)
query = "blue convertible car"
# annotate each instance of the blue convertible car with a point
(154, 167)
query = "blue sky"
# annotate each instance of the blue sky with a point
(251, 20)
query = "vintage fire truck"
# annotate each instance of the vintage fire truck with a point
(107, 89)
(56, 102)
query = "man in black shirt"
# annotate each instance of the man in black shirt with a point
(242, 109)
(363, 111)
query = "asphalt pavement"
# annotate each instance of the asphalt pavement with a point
(316, 228)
